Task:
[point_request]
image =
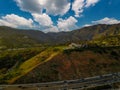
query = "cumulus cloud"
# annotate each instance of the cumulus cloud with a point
(63, 25)
(78, 6)
(41, 10)
(91, 3)
(32, 6)
(106, 20)
(16, 21)
(56, 7)
(51, 29)
(67, 24)
(53, 7)
(43, 19)
(87, 25)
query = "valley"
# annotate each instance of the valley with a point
(26, 58)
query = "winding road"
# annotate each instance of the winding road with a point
(78, 84)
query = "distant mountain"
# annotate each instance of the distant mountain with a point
(112, 40)
(86, 33)
(14, 38)
(18, 38)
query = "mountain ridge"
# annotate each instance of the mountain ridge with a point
(17, 37)
(97, 51)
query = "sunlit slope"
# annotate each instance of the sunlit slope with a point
(112, 40)
(76, 64)
(41, 58)
(32, 63)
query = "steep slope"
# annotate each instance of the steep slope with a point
(75, 64)
(12, 58)
(30, 64)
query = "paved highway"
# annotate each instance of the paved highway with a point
(78, 84)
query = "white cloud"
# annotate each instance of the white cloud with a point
(67, 24)
(43, 19)
(87, 25)
(56, 7)
(45, 23)
(32, 6)
(41, 10)
(91, 3)
(53, 7)
(51, 29)
(106, 20)
(77, 7)
(62, 25)
(16, 21)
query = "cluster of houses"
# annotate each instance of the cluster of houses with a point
(74, 45)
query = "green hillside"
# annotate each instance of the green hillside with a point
(25, 65)
(31, 56)
(112, 40)
(59, 63)
(75, 64)
(14, 38)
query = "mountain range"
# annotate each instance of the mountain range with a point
(32, 56)
(11, 37)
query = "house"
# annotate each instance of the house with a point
(74, 45)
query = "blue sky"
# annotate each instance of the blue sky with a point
(58, 15)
